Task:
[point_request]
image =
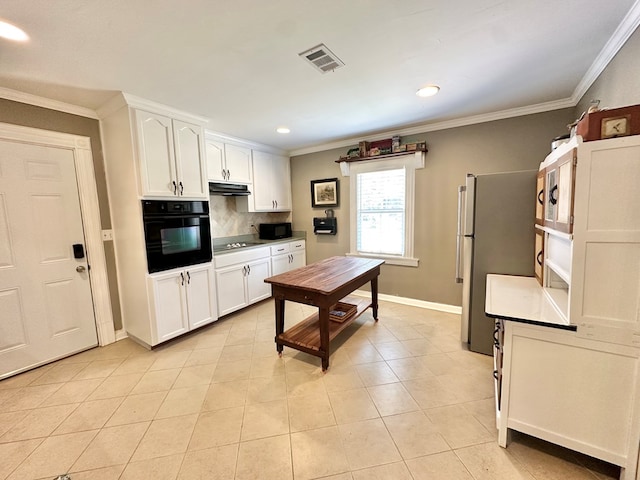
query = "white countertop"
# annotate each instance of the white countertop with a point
(521, 299)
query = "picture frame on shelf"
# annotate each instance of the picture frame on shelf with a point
(325, 193)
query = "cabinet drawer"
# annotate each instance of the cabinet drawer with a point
(280, 249)
(297, 245)
(243, 256)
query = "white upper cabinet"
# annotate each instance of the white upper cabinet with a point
(156, 152)
(171, 157)
(271, 186)
(238, 163)
(227, 163)
(190, 165)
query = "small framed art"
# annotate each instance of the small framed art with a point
(324, 193)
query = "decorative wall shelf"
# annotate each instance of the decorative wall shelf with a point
(346, 163)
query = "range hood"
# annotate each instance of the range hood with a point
(230, 189)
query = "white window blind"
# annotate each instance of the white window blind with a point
(380, 216)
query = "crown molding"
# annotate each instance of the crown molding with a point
(43, 102)
(224, 138)
(432, 127)
(626, 28)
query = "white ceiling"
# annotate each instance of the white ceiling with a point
(236, 62)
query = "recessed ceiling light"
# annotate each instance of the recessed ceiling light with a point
(428, 91)
(11, 32)
(283, 130)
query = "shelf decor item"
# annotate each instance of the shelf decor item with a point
(616, 122)
(341, 312)
(325, 193)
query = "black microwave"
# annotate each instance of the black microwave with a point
(274, 231)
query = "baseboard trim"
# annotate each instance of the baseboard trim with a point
(121, 334)
(440, 307)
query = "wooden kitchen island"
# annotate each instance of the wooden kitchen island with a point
(323, 284)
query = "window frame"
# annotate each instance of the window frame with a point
(410, 162)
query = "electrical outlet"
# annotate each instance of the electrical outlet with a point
(107, 235)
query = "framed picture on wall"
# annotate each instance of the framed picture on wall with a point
(324, 193)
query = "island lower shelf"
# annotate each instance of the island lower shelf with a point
(305, 336)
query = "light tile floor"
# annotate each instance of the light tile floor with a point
(401, 400)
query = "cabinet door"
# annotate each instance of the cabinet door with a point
(238, 163)
(538, 268)
(281, 183)
(230, 284)
(192, 181)
(262, 193)
(171, 317)
(215, 160)
(156, 155)
(566, 182)
(280, 264)
(559, 192)
(201, 294)
(298, 259)
(256, 288)
(540, 197)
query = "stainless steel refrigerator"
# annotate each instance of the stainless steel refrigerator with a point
(496, 217)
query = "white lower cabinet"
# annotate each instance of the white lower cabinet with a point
(579, 393)
(288, 256)
(240, 278)
(181, 301)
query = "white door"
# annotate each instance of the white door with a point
(238, 163)
(231, 291)
(298, 259)
(157, 159)
(257, 271)
(280, 264)
(281, 183)
(215, 161)
(46, 309)
(201, 293)
(262, 192)
(190, 164)
(170, 305)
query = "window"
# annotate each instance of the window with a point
(382, 209)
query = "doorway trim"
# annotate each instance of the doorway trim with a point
(88, 193)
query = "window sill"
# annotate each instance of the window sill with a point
(389, 259)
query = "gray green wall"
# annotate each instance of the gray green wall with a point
(505, 145)
(17, 113)
(619, 84)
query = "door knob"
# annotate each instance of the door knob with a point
(80, 268)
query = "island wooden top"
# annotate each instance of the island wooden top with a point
(326, 276)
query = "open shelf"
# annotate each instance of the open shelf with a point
(305, 335)
(559, 299)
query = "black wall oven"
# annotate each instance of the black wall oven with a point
(177, 233)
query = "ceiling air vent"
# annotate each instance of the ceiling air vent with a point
(322, 58)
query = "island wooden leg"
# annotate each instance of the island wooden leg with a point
(374, 297)
(323, 320)
(279, 303)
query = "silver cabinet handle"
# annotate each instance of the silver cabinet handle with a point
(249, 269)
(244, 271)
(80, 268)
(181, 189)
(181, 278)
(224, 173)
(188, 278)
(175, 187)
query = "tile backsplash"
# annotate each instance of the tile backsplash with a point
(226, 221)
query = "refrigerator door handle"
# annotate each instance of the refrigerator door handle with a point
(460, 233)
